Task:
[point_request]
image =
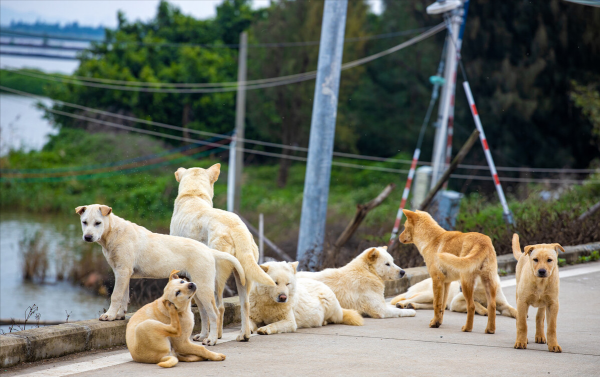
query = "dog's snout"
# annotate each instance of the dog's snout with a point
(282, 298)
(402, 273)
(88, 237)
(192, 286)
(542, 272)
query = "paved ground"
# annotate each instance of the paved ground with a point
(403, 346)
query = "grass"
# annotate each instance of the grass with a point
(24, 83)
(147, 197)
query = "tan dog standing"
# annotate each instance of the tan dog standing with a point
(194, 217)
(538, 284)
(133, 251)
(359, 285)
(451, 256)
(159, 333)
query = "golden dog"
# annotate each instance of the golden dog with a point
(159, 333)
(537, 285)
(451, 256)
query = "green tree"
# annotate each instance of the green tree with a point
(283, 113)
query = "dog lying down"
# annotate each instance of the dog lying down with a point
(132, 251)
(420, 296)
(159, 333)
(359, 285)
(294, 303)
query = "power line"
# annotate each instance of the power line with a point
(303, 159)
(250, 84)
(277, 145)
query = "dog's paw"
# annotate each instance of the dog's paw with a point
(521, 345)
(199, 338)
(209, 341)
(265, 330)
(243, 337)
(217, 356)
(540, 339)
(554, 348)
(490, 331)
(435, 323)
(108, 317)
(404, 305)
(408, 313)
(467, 329)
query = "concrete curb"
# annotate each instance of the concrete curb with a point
(59, 340)
(55, 341)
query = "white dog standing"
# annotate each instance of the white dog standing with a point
(132, 251)
(359, 285)
(195, 217)
(295, 303)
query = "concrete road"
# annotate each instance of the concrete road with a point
(392, 347)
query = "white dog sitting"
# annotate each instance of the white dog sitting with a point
(134, 252)
(420, 296)
(294, 303)
(359, 285)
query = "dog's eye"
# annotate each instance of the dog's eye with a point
(84, 222)
(387, 264)
(549, 260)
(97, 223)
(276, 283)
(177, 294)
(535, 259)
(182, 282)
(288, 284)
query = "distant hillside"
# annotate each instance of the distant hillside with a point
(66, 30)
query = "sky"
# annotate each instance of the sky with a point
(104, 12)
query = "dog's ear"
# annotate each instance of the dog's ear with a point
(410, 215)
(213, 172)
(295, 266)
(264, 267)
(80, 210)
(558, 247)
(383, 247)
(105, 210)
(528, 249)
(372, 255)
(179, 174)
(173, 275)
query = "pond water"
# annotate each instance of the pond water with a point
(22, 125)
(54, 298)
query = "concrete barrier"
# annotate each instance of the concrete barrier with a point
(55, 341)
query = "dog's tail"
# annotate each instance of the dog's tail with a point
(220, 255)
(464, 264)
(168, 362)
(516, 247)
(244, 250)
(352, 318)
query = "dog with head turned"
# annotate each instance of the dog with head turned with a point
(133, 251)
(360, 285)
(195, 217)
(538, 284)
(451, 256)
(294, 303)
(159, 333)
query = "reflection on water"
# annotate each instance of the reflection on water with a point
(55, 299)
(22, 124)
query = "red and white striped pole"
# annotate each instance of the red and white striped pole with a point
(411, 175)
(507, 214)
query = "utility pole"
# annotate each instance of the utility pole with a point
(236, 149)
(438, 159)
(322, 132)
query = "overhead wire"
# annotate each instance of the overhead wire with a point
(233, 85)
(283, 146)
